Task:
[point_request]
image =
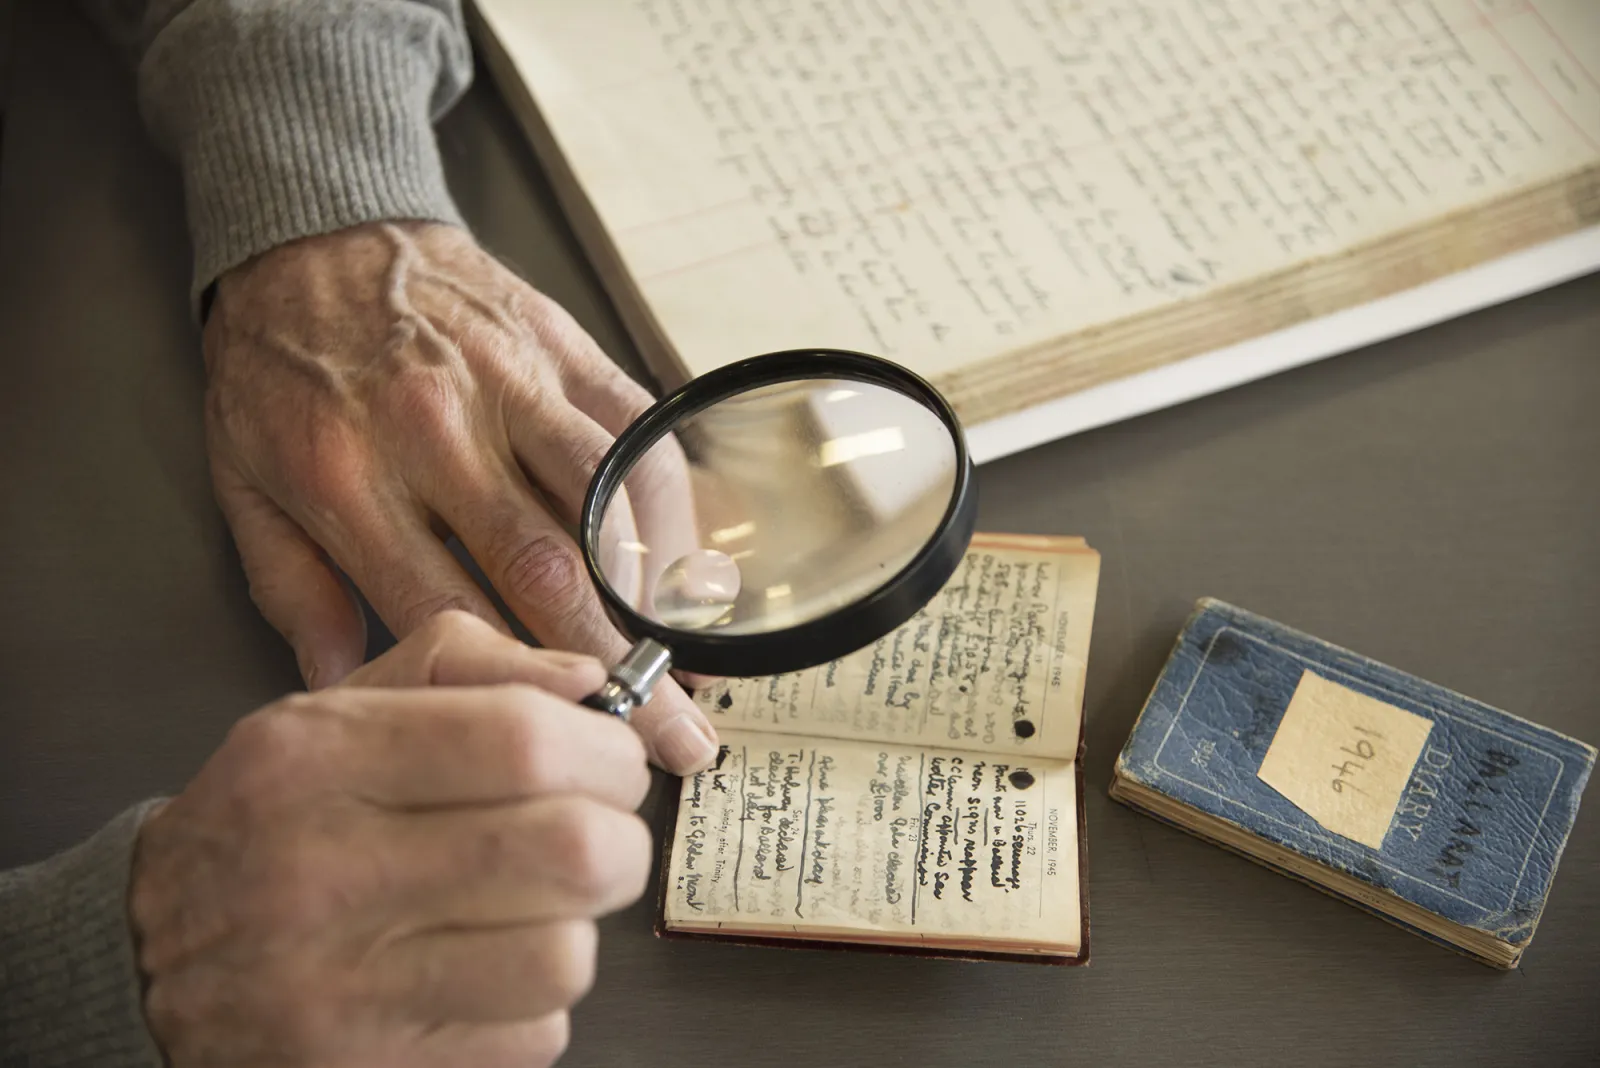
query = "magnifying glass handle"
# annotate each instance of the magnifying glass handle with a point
(631, 680)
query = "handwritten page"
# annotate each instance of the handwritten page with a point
(995, 663)
(849, 838)
(946, 181)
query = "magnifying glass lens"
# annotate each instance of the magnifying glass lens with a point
(777, 506)
(697, 590)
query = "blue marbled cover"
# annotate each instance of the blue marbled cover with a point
(1480, 828)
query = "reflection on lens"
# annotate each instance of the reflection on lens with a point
(774, 506)
(854, 447)
(697, 590)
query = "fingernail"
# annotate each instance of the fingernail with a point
(326, 669)
(683, 747)
(310, 670)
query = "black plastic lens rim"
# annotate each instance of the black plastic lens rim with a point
(828, 637)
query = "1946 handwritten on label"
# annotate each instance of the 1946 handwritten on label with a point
(1344, 758)
(794, 832)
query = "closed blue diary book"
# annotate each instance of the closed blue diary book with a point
(1432, 810)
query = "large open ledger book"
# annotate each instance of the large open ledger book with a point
(923, 795)
(1061, 214)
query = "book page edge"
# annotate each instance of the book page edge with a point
(1410, 918)
(1507, 278)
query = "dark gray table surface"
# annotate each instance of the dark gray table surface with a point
(1430, 502)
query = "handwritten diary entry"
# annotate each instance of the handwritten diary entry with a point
(853, 838)
(1344, 758)
(994, 663)
(944, 181)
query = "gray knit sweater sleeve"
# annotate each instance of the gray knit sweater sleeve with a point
(287, 118)
(290, 118)
(69, 986)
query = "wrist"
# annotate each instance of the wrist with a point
(341, 271)
(70, 980)
(289, 124)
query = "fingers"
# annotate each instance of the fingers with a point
(589, 378)
(621, 554)
(292, 583)
(457, 649)
(661, 496)
(553, 858)
(539, 572)
(663, 505)
(524, 1044)
(404, 570)
(561, 447)
(675, 732)
(532, 562)
(658, 486)
(596, 385)
(489, 975)
(415, 749)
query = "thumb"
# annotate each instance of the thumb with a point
(676, 733)
(293, 584)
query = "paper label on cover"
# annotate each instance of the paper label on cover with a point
(1344, 758)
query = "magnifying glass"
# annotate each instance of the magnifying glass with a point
(773, 515)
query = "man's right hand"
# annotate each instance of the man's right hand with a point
(404, 870)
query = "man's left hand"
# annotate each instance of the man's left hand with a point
(375, 390)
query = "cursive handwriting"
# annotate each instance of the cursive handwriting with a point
(969, 175)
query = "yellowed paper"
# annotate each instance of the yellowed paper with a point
(812, 835)
(1344, 758)
(996, 663)
(943, 182)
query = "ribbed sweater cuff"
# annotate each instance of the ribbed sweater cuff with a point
(69, 983)
(290, 124)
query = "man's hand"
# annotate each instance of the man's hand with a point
(395, 876)
(374, 391)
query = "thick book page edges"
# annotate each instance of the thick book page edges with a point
(857, 841)
(996, 663)
(961, 185)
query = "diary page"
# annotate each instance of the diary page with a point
(944, 181)
(995, 663)
(804, 836)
